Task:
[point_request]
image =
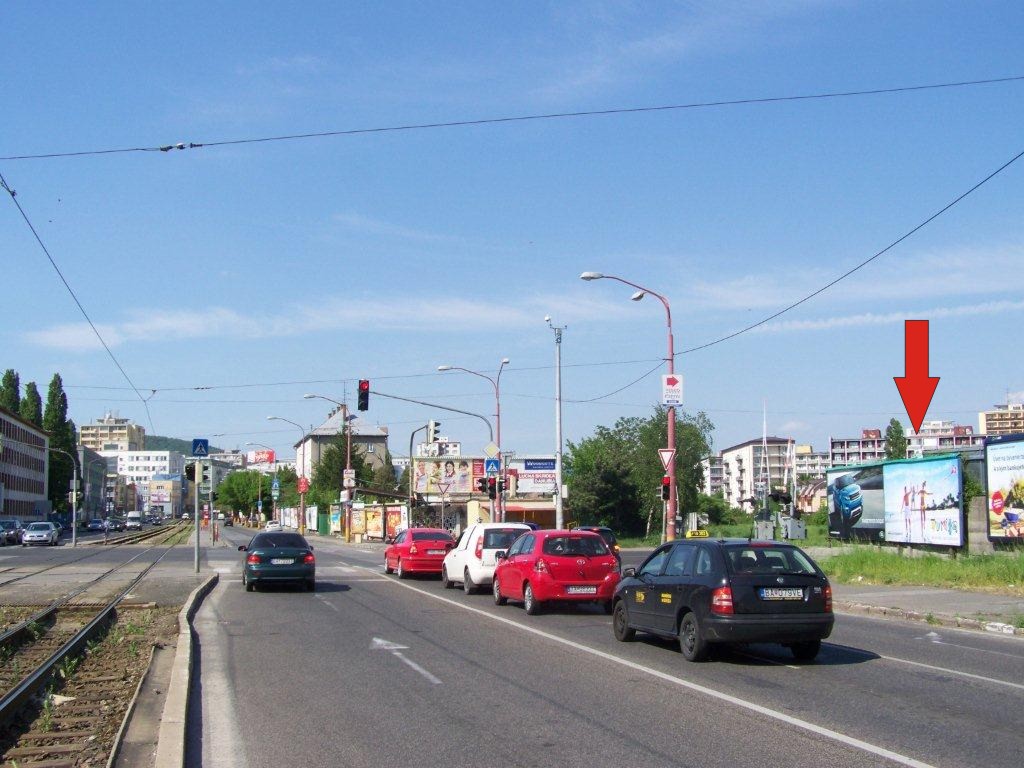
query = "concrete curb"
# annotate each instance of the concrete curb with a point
(119, 738)
(930, 618)
(170, 748)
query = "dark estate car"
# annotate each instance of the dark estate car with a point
(278, 556)
(726, 591)
(609, 538)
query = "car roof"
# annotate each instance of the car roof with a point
(489, 526)
(547, 534)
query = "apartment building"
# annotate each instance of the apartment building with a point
(112, 433)
(714, 475)
(870, 446)
(810, 463)
(139, 467)
(24, 468)
(937, 436)
(1002, 420)
(744, 468)
(165, 495)
(369, 439)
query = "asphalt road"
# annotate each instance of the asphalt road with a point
(373, 671)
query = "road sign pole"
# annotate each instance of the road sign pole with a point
(195, 482)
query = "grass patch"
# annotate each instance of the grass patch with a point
(1003, 574)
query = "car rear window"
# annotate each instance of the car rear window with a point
(501, 538)
(431, 536)
(743, 558)
(574, 545)
(279, 540)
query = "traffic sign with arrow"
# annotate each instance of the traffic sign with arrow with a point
(671, 389)
(916, 386)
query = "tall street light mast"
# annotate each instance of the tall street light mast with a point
(302, 477)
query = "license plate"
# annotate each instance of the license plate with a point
(435, 551)
(581, 590)
(282, 561)
(782, 593)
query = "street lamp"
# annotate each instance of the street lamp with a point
(302, 494)
(75, 471)
(670, 526)
(348, 455)
(559, 506)
(496, 383)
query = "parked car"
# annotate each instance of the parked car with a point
(12, 530)
(726, 591)
(41, 533)
(278, 556)
(609, 538)
(544, 566)
(417, 550)
(114, 524)
(471, 562)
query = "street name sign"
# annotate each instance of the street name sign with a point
(671, 389)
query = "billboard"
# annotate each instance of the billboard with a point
(1004, 462)
(534, 475)
(447, 475)
(260, 457)
(856, 504)
(923, 502)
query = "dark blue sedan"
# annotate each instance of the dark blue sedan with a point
(278, 556)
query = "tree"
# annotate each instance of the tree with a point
(62, 438)
(31, 407)
(239, 492)
(328, 476)
(895, 441)
(10, 391)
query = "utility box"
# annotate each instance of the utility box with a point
(764, 530)
(793, 528)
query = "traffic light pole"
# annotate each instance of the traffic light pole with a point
(412, 469)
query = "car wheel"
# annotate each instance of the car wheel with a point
(691, 639)
(499, 599)
(445, 581)
(388, 568)
(311, 585)
(468, 585)
(249, 586)
(399, 569)
(531, 603)
(806, 650)
(620, 623)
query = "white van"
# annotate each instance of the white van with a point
(134, 521)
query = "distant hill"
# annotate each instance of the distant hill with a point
(158, 443)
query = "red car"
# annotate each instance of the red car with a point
(542, 566)
(417, 550)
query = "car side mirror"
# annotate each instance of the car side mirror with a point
(242, 548)
(500, 554)
(310, 547)
(629, 572)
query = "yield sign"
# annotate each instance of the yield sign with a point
(667, 456)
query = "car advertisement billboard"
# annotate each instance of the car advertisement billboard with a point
(1004, 461)
(260, 457)
(923, 501)
(856, 503)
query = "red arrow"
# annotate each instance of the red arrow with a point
(916, 386)
(671, 381)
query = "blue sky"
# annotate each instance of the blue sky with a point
(385, 255)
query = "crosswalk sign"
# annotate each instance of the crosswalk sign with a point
(200, 447)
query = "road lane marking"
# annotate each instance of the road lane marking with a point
(934, 668)
(763, 658)
(417, 667)
(710, 692)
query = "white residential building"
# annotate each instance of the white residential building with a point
(112, 433)
(138, 467)
(809, 462)
(24, 468)
(1002, 420)
(743, 469)
(936, 436)
(869, 447)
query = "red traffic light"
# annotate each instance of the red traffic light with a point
(364, 385)
(364, 395)
(666, 488)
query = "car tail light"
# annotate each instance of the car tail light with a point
(828, 599)
(413, 550)
(479, 548)
(540, 566)
(721, 600)
(309, 559)
(253, 559)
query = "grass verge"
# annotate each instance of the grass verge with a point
(817, 536)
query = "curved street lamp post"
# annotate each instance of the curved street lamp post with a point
(302, 494)
(670, 523)
(348, 456)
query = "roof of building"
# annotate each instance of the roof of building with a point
(27, 424)
(758, 441)
(335, 424)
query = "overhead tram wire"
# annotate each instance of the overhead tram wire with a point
(524, 118)
(74, 296)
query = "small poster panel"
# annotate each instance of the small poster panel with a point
(1004, 462)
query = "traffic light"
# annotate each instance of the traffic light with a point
(364, 395)
(492, 487)
(190, 472)
(481, 485)
(501, 485)
(433, 431)
(666, 488)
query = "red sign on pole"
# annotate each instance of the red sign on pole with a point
(303, 485)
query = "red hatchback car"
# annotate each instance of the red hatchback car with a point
(417, 550)
(543, 566)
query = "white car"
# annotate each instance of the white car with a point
(273, 525)
(41, 533)
(472, 561)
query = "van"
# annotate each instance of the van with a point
(134, 521)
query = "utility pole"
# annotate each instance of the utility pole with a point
(559, 502)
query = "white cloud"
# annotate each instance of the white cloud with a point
(889, 318)
(407, 314)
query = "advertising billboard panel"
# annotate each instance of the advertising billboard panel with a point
(856, 503)
(534, 475)
(260, 457)
(1004, 462)
(447, 475)
(923, 502)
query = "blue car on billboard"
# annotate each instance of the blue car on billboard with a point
(847, 505)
